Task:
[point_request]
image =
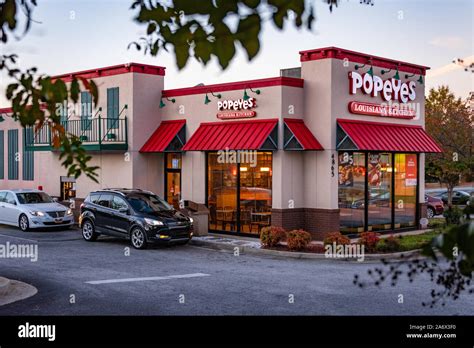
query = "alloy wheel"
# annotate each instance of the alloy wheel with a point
(138, 238)
(24, 223)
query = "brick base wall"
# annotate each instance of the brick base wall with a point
(318, 222)
(289, 219)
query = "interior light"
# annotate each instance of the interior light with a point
(243, 169)
(264, 169)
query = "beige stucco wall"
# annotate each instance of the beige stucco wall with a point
(273, 102)
(326, 98)
(117, 168)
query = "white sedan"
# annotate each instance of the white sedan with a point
(30, 209)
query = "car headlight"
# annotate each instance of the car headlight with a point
(69, 212)
(152, 222)
(37, 213)
(191, 220)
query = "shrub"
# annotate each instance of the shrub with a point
(298, 239)
(336, 237)
(453, 216)
(369, 240)
(271, 236)
(390, 244)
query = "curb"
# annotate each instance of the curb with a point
(300, 255)
(13, 290)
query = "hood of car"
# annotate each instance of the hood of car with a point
(170, 217)
(45, 207)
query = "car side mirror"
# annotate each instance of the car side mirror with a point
(124, 211)
(55, 199)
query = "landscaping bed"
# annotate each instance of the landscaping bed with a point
(276, 238)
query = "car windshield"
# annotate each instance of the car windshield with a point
(33, 198)
(148, 204)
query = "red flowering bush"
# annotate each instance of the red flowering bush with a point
(298, 239)
(272, 235)
(369, 240)
(336, 237)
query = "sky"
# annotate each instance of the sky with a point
(74, 35)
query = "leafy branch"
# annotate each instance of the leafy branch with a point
(453, 273)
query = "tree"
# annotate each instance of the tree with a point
(190, 27)
(450, 123)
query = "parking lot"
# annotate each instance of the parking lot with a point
(74, 277)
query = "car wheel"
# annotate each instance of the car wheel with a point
(138, 238)
(88, 231)
(23, 223)
(430, 213)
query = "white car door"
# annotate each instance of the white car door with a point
(10, 209)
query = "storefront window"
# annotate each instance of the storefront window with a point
(173, 179)
(256, 193)
(222, 194)
(406, 181)
(379, 181)
(352, 191)
(240, 205)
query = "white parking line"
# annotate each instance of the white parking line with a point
(29, 240)
(125, 280)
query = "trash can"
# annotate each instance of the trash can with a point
(200, 215)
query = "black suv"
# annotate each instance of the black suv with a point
(137, 215)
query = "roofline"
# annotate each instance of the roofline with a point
(113, 70)
(232, 86)
(363, 58)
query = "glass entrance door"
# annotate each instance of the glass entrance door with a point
(173, 179)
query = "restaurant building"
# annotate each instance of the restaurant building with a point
(334, 145)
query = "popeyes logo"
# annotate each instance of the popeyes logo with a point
(398, 96)
(390, 90)
(233, 109)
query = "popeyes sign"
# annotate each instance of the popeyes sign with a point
(233, 109)
(397, 93)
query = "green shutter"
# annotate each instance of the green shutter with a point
(112, 107)
(86, 111)
(28, 156)
(12, 154)
(2, 155)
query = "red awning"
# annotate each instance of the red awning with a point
(164, 136)
(375, 136)
(303, 135)
(234, 135)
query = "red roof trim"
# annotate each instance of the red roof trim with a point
(232, 86)
(239, 135)
(304, 136)
(377, 136)
(113, 70)
(362, 58)
(163, 135)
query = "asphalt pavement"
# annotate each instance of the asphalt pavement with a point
(108, 277)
